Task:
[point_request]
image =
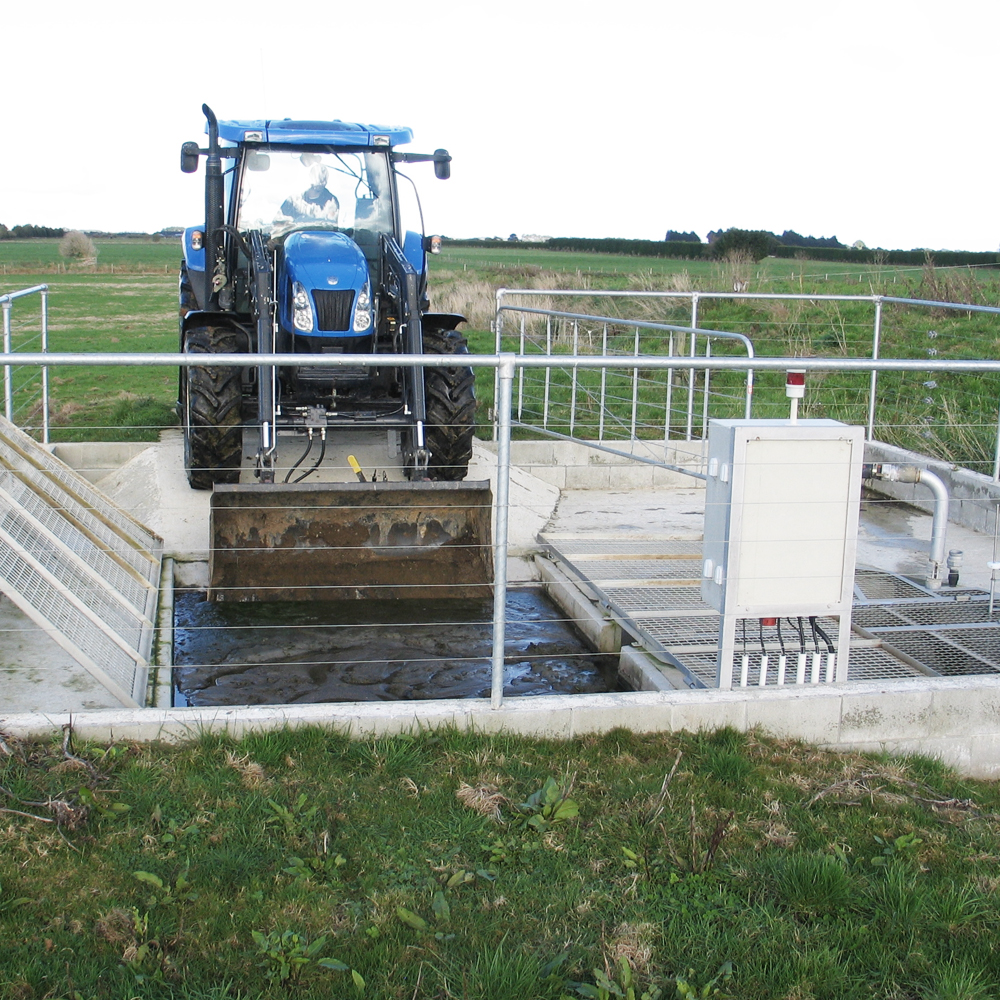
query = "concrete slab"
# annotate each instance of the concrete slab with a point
(37, 675)
(153, 487)
(679, 512)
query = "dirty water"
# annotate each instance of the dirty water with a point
(315, 652)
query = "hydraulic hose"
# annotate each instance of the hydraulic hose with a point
(302, 458)
(319, 461)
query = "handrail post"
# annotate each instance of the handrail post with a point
(45, 368)
(8, 402)
(497, 338)
(996, 453)
(604, 383)
(704, 403)
(520, 377)
(691, 374)
(670, 389)
(505, 379)
(876, 341)
(573, 375)
(548, 371)
(635, 388)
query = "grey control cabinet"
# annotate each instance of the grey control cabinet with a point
(781, 524)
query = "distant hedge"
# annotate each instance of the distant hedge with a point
(632, 248)
(694, 251)
(942, 258)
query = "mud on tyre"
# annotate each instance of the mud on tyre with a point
(210, 402)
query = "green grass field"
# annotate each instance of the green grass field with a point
(448, 865)
(128, 302)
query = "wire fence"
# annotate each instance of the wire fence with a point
(513, 370)
(952, 416)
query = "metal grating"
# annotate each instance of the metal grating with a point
(639, 568)
(78, 565)
(942, 612)
(937, 634)
(871, 585)
(873, 663)
(942, 656)
(984, 642)
(652, 601)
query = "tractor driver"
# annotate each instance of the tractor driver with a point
(317, 202)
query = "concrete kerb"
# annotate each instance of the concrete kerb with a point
(955, 719)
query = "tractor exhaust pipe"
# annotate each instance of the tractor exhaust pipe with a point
(215, 272)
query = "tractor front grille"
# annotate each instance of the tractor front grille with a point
(333, 309)
(333, 376)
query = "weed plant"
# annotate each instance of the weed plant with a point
(447, 865)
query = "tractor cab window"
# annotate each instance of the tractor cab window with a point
(284, 190)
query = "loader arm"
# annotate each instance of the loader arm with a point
(263, 304)
(403, 286)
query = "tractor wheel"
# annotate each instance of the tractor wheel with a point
(451, 408)
(211, 397)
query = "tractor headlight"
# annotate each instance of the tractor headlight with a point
(363, 309)
(302, 310)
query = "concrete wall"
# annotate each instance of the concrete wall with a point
(974, 497)
(955, 719)
(95, 459)
(573, 466)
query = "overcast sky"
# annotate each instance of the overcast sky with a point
(873, 120)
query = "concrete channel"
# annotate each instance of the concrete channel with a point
(560, 491)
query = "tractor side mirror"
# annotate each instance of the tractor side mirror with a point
(442, 164)
(189, 157)
(258, 162)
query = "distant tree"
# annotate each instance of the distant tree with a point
(4, 232)
(35, 232)
(512, 238)
(675, 237)
(78, 246)
(754, 243)
(790, 238)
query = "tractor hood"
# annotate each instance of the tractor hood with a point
(331, 271)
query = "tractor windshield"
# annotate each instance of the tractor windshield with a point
(285, 189)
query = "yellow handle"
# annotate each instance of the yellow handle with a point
(356, 467)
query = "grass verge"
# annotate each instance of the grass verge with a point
(448, 864)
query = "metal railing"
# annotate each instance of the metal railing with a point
(29, 396)
(504, 308)
(675, 336)
(507, 366)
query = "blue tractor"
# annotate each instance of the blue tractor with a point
(302, 252)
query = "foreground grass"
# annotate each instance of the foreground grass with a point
(303, 863)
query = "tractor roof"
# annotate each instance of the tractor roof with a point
(305, 133)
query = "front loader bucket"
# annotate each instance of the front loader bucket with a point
(347, 541)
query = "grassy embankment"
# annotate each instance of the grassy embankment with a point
(953, 416)
(422, 867)
(950, 416)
